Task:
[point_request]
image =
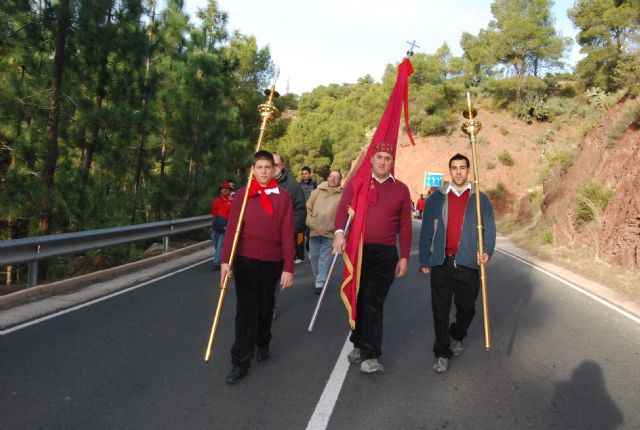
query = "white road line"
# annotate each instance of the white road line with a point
(92, 302)
(320, 418)
(589, 294)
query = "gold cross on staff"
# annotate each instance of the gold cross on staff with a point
(413, 45)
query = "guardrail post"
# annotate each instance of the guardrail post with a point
(165, 244)
(32, 274)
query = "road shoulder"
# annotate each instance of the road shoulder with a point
(46, 299)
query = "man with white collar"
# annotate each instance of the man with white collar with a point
(388, 215)
(449, 251)
(264, 256)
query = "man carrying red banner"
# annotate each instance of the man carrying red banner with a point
(380, 207)
(388, 212)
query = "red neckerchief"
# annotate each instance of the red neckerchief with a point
(256, 188)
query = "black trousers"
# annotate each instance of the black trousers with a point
(460, 285)
(256, 281)
(377, 274)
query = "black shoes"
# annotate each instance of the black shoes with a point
(236, 374)
(216, 267)
(262, 354)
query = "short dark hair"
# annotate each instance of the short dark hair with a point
(306, 169)
(263, 155)
(459, 156)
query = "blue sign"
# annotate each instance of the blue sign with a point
(433, 179)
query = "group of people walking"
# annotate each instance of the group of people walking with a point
(279, 207)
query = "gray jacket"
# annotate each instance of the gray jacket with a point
(433, 235)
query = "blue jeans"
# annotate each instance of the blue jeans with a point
(320, 255)
(218, 242)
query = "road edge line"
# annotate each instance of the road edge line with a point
(575, 287)
(21, 326)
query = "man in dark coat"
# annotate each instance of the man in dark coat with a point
(292, 187)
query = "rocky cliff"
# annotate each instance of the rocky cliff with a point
(609, 155)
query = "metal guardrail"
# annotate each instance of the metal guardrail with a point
(33, 249)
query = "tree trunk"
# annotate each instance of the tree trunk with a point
(143, 119)
(95, 126)
(54, 116)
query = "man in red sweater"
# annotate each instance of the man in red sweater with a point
(388, 216)
(264, 255)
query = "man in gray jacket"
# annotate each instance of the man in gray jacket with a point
(449, 251)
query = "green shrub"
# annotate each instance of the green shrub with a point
(630, 116)
(591, 201)
(532, 107)
(504, 130)
(559, 105)
(535, 199)
(597, 97)
(561, 158)
(433, 124)
(544, 137)
(505, 158)
(548, 237)
(498, 193)
(569, 89)
(509, 90)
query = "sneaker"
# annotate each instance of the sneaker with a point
(318, 290)
(441, 365)
(456, 347)
(354, 356)
(298, 261)
(236, 374)
(262, 354)
(372, 365)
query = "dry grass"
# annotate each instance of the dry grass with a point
(534, 237)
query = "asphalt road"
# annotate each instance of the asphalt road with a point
(560, 360)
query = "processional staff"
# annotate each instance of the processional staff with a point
(471, 127)
(268, 111)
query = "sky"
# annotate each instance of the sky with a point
(338, 41)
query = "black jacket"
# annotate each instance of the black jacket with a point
(297, 199)
(307, 188)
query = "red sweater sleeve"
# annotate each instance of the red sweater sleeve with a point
(405, 225)
(345, 201)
